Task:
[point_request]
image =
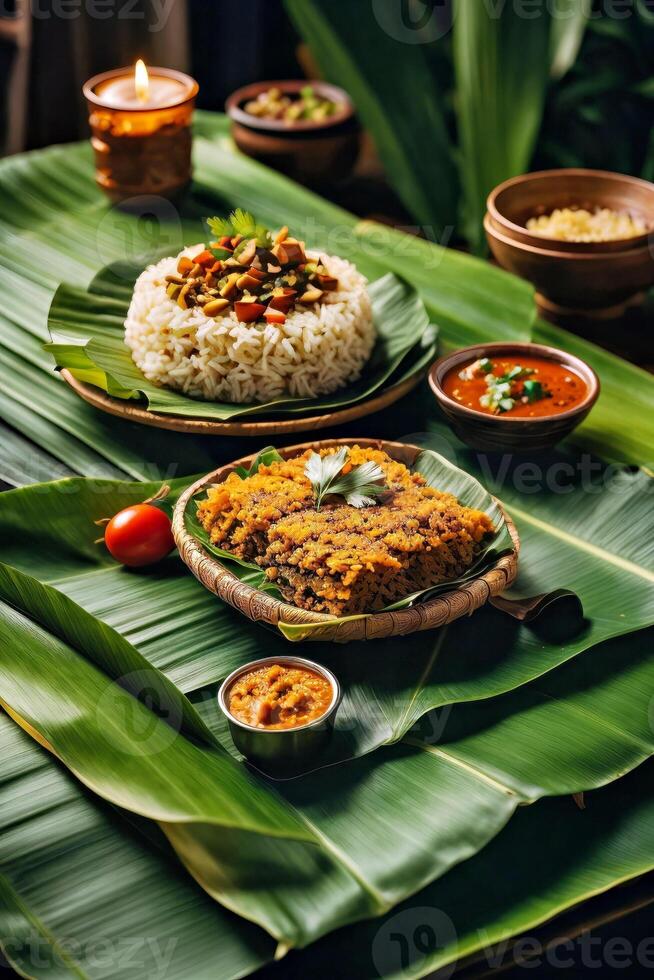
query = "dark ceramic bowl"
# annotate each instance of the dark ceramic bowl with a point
(596, 279)
(501, 433)
(312, 152)
(281, 751)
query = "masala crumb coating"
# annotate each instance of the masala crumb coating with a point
(343, 560)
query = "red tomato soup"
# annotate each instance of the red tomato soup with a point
(518, 386)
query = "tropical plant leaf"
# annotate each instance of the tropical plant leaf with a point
(569, 21)
(366, 48)
(87, 330)
(59, 212)
(48, 531)
(501, 70)
(627, 393)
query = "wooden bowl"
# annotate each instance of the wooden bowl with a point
(502, 433)
(512, 203)
(596, 279)
(309, 151)
(263, 608)
(600, 284)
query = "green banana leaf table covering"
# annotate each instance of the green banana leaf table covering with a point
(134, 839)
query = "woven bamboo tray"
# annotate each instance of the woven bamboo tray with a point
(263, 608)
(133, 412)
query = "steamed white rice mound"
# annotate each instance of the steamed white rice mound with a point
(319, 348)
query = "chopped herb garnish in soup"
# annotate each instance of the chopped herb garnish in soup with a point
(524, 387)
(279, 696)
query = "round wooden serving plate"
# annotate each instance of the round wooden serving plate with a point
(133, 412)
(261, 607)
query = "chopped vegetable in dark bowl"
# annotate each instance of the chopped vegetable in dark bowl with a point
(306, 129)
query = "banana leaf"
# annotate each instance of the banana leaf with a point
(87, 330)
(587, 545)
(525, 876)
(249, 845)
(438, 473)
(133, 905)
(85, 893)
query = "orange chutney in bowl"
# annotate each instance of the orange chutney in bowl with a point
(515, 386)
(278, 696)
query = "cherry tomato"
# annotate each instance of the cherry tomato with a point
(139, 535)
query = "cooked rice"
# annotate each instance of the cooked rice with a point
(319, 348)
(580, 225)
(344, 560)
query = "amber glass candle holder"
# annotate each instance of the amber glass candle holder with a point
(142, 144)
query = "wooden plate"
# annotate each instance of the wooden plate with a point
(128, 409)
(262, 607)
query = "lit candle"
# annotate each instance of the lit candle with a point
(140, 123)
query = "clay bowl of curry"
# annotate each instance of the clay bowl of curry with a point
(280, 711)
(513, 397)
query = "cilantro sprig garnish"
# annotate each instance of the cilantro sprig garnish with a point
(360, 486)
(242, 223)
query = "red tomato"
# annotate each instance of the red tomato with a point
(139, 535)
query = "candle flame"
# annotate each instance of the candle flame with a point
(141, 81)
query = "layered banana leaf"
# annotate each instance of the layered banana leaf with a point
(438, 473)
(290, 856)
(48, 204)
(85, 893)
(161, 921)
(527, 874)
(87, 331)
(588, 545)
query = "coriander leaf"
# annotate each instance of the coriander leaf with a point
(359, 486)
(219, 227)
(321, 471)
(245, 224)
(533, 390)
(220, 253)
(242, 223)
(359, 500)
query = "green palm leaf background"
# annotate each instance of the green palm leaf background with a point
(459, 746)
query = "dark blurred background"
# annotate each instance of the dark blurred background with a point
(48, 48)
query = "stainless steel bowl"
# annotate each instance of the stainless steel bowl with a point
(281, 750)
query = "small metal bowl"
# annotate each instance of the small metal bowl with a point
(281, 750)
